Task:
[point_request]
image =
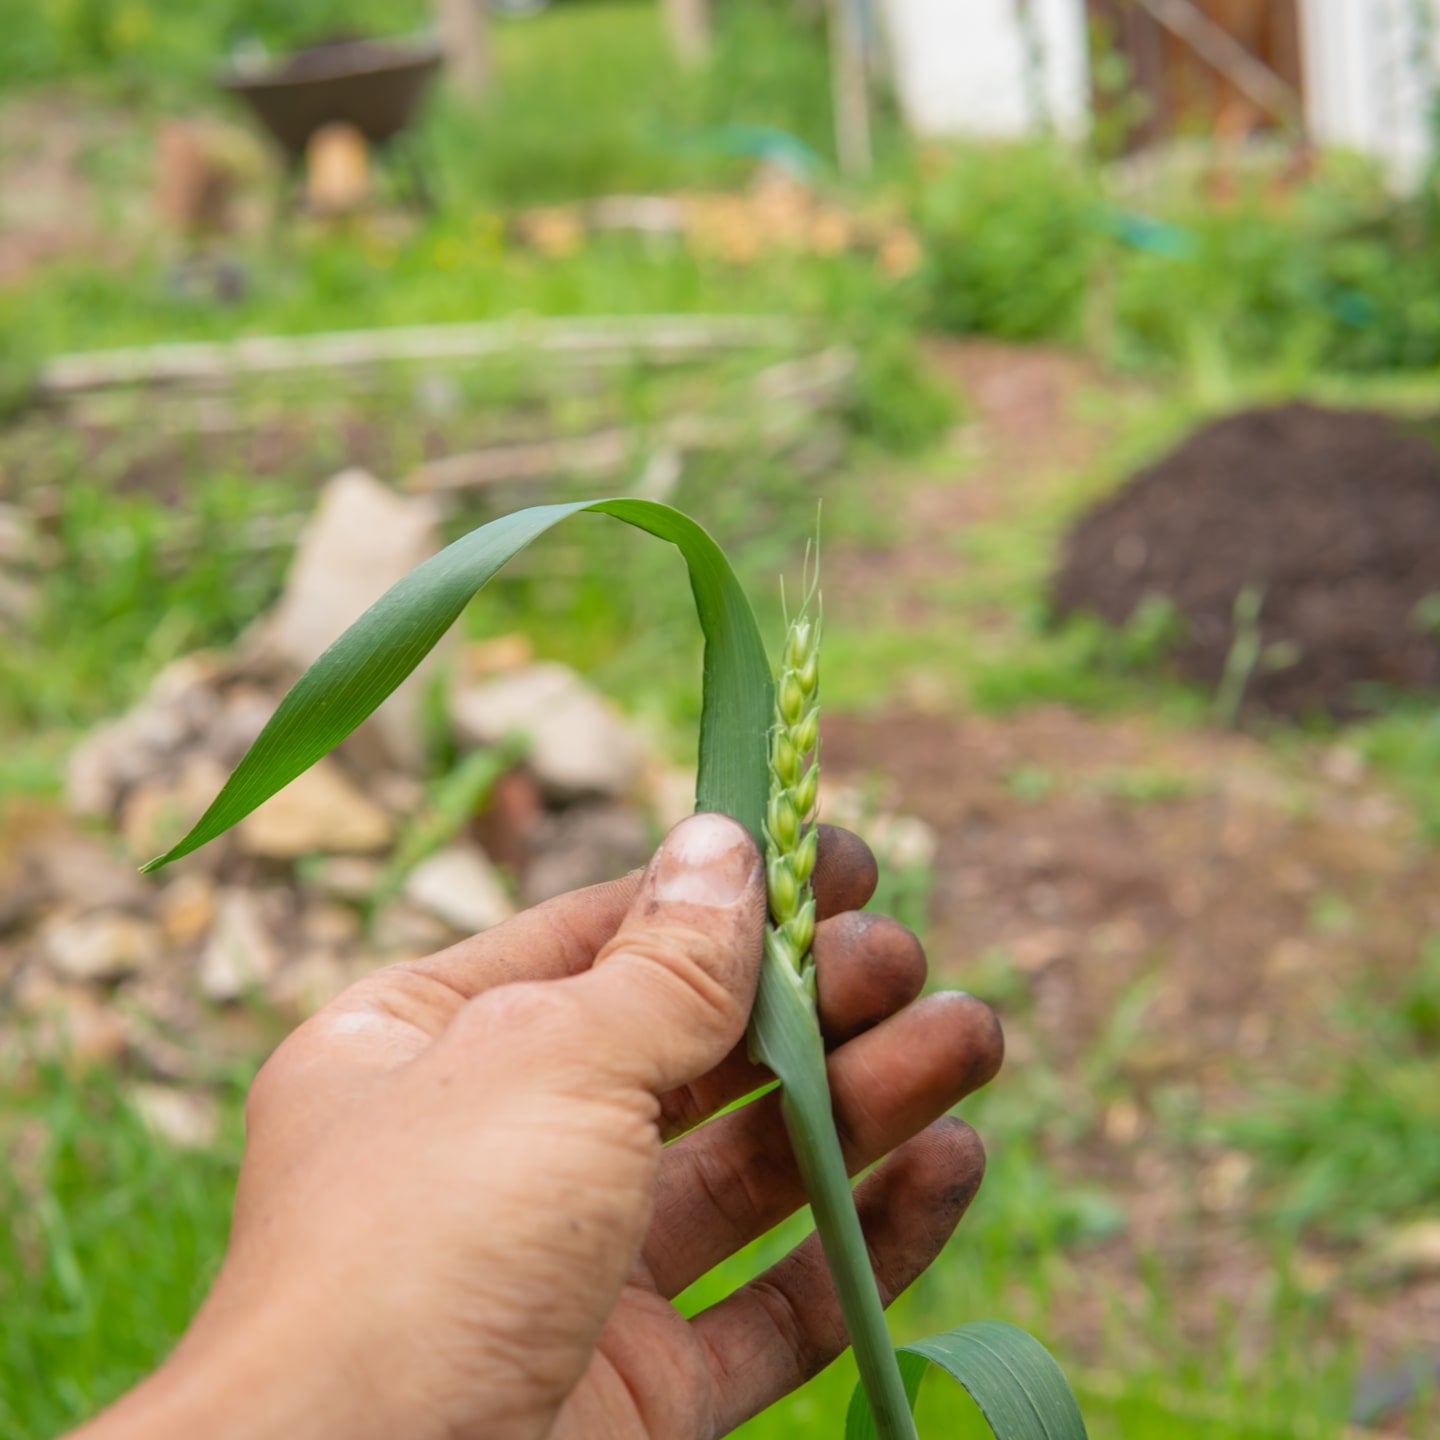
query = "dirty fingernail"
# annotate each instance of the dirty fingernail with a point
(705, 860)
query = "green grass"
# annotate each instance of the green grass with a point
(1349, 1143)
(112, 1236)
(107, 1237)
(109, 1242)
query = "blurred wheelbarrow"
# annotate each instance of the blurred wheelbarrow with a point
(371, 86)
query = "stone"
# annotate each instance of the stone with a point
(399, 794)
(1122, 1121)
(186, 909)
(158, 1053)
(361, 539)
(1223, 1184)
(100, 947)
(583, 846)
(157, 812)
(506, 827)
(899, 842)
(17, 536)
(142, 744)
(82, 875)
(403, 931)
(1039, 949)
(183, 699)
(244, 714)
(310, 983)
(327, 924)
(101, 768)
(1343, 764)
(578, 745)
(319, 812)
(1412, 1249)
(22, 896)
(18, 599)
(241, 954)
(670, 795)
(74, 1026)
(459, 886)
(903, 842)
(484, 659)
(346, 877)
(187, 1119)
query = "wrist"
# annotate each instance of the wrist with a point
(243, 1375)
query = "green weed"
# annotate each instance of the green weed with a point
(110, 1238)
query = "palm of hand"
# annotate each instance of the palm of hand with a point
(534, 1297)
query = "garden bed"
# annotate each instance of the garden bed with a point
(1299, 547)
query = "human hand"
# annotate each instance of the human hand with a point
(457, 1215)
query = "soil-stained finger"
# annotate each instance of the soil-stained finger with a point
(773, 1334)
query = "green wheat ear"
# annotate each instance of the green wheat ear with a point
(757, 764)
(790, 834)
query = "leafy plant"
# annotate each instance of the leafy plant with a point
(1011, 242)
(757, 764)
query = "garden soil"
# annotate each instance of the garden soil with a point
(1329, 518)
(1161, 917)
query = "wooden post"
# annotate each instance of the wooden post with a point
(465, 29)
(849, 84)
(688, 23)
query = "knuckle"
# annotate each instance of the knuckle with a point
(698, 971)
(728, 1184)
(801, 1311)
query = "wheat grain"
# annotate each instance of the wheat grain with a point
(790, 834)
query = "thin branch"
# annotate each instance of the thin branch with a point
(602, 340)
(1219, 49)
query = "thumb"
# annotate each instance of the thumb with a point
(668, 996)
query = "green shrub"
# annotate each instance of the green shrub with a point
(898, 403)
(1011, 242)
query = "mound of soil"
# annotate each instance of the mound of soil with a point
(1331, 517)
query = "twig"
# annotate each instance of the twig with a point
(601, 340)
(780, 407)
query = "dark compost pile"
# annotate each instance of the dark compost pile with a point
(1329, 519)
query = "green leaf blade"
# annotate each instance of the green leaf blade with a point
(1012, 1378)
(367, 663)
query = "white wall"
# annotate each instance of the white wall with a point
(1366, 87)
(962, 66)
(962, 69)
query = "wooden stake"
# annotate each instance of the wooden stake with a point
(688, 23)
(592, 340)
(849, 87)
(465, 27)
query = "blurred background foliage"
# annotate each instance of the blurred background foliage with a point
(1172, 295)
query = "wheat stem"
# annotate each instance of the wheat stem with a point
(787, 1027)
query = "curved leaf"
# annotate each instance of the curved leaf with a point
(366, 664)
(1010, 1375)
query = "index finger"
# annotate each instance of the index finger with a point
(562, 936)
(416, 1000)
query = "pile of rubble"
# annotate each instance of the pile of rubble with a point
(357, 863)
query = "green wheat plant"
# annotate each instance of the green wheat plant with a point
(759, 764)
